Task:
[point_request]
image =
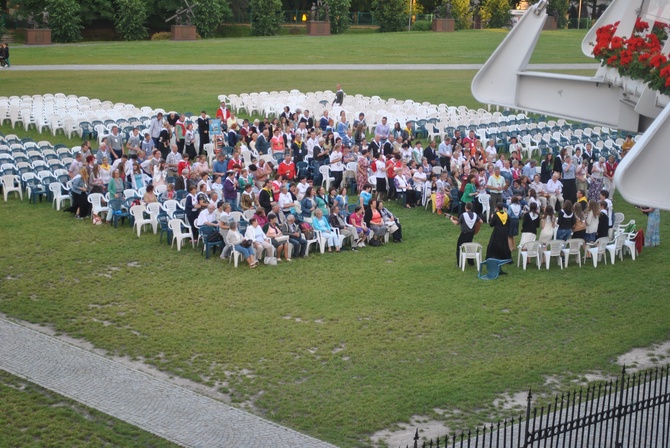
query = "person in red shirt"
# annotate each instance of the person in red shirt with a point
(286, 168)
(277, 143)
(391, 164)
(223, 114)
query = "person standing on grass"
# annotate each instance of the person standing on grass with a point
(653, 236)
(155, 129)
(498, 244)
(203, 130)
(4, 56)
(339, 96)
(468, 223)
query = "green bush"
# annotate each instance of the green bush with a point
(390, 15)
(64, 20)
(266, 17)
(296, 31)
(2, 25)
(339, 15)
(163, 35)
(209, 14)
(131, 18)
(422, 25)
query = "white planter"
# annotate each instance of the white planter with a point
(662, 100)
(612, 75)
(633, 87)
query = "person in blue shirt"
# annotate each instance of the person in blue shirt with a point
(320, 223)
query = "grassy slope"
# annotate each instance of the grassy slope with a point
(340, 345)
(58, 421)
(403, 48)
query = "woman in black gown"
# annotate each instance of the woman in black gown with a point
(498, 245)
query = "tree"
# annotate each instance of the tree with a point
(495, 13)
(558, 9)
(130, 21)
(339, 15)
(64, 20)
(266, 17)
(460, 10)
(390, 15)
(209, 14)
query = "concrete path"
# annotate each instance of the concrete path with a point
(160, 407)
(303, 67)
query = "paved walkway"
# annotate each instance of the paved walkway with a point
(160, 407)
(303, 67)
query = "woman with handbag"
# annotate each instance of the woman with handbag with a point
(277, 238)
(235, 239)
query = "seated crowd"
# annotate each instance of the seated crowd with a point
(288, 186)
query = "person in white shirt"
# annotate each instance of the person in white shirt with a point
(444, 152)
(302, 188)
(554, 189)
(491, 149)
(260, 241)
(311, 142)
(207, 217)
(336, 166)
(285, 200)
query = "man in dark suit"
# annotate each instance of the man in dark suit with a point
(203, 130)
(375, 146)
(430, 153)
(262, 144)
(298, 149)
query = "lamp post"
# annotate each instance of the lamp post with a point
(579, 14)
(409, 22)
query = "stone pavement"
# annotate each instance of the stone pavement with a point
(300, 67)
(157, 406)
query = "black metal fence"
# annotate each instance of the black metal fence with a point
(632, 411)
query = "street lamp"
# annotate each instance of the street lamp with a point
(409, 22)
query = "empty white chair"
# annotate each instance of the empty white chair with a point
(531, 249)
(137, 212)
(599, 249)
(153, 210)
(471, 251)
(180, 232)
(616, 247)
(573, 247)
(554, 248)
(11, 182)
(97, 208)
(325, 173)
(484, 199)
(56, 189)
(169, 207)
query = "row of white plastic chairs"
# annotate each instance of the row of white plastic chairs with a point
(562, 251)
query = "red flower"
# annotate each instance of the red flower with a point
(644, 57)
(667, 82)
(617, 42)
(626, 57)
(641, 25)
(665, 71)
(612, 60)
(657, 60)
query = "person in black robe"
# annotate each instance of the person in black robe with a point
(498, 244)
(203, 130)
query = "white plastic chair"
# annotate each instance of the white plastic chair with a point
(629, 244)
(599, 248)
(137, 212)
(484, 199)
(153, 210)
(56, 189)
(531, 249)
(554, 249)
(179, 234)
(95, 199)
(169, 207)
(573, 247)
(616, 247)
(471, 251)
(11, 182)
(327, 179)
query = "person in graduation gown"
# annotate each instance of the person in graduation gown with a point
(498, 244)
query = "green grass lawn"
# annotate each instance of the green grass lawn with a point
(33, 416)
(340, 345)
(463, 47)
